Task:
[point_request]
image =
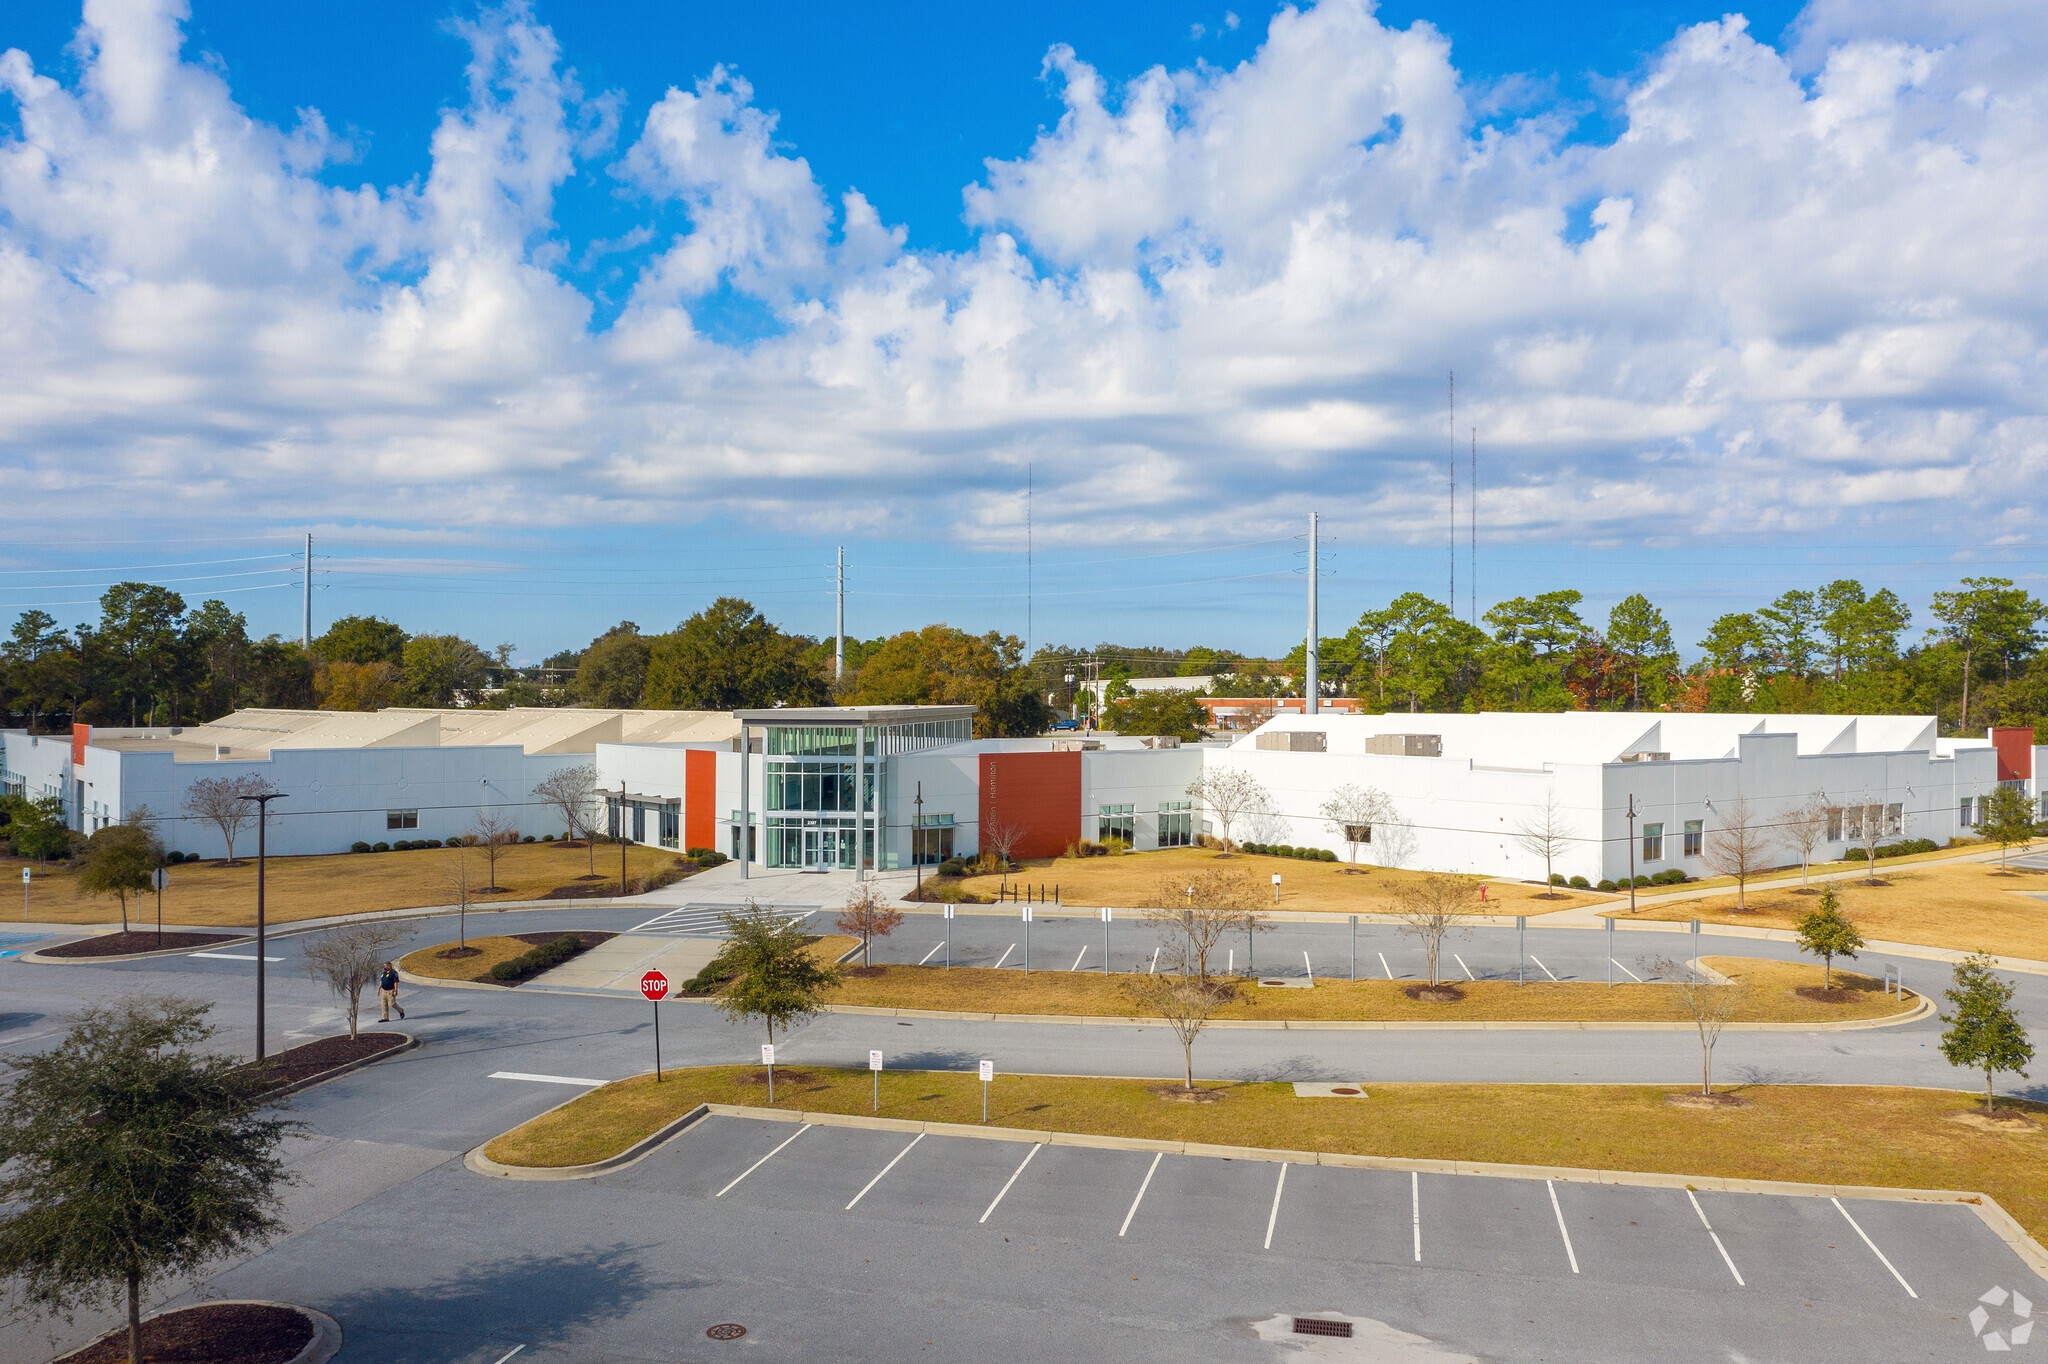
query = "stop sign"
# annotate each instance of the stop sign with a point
(654, 985)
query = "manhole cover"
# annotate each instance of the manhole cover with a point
(1343, 1089)
(726, 1330)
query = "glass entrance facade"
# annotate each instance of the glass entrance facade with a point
(822, 802)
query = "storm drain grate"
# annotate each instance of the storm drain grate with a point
(1316, 1326)
(732, 1330)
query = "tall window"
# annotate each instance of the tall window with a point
(1176, 824)
(1653, 843)
(1695, 836)
(671, 825)
(933, 842)
(1895, 819)
(1116, 821)
(1967, 811)
(1834, 824)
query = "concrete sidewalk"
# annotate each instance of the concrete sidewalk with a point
(618, 963)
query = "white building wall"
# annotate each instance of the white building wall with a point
(1138, 777)
(36, 765)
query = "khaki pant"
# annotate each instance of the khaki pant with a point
(387, 1000)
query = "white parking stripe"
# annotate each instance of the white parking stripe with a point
(1415, 1192)
(1726, 1258)
(546, 1079)
(1077, 957)
(933, 953)
(1874, 1250)
(1011, 1180)
(230, 956)
(1308, 968)
(1539, 961)
(1631, 975)
(1463, 967)
(1383, 965)
(1141, 1193)
(1155, 961)
(885, 1170)
(763, 1160)
(1555, 1207)
(1274, 1216)
(1006, 956)
(509, 1353)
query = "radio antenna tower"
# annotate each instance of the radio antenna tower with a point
(1451, 390)
(1473, 498)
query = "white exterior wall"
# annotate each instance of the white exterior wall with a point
(1140, 778)
(334, 797)
(36, 765)
(952, 786)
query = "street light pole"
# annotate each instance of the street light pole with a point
(262, 863)
(917, 843)
(622, 835)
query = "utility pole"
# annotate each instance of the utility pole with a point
(1028, 471)
(1451, 390)
(839, 622)
(306, 618)
(1473, 498)
(622, 835)
(1313, 693)
(262, 856)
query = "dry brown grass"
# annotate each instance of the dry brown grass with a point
(1809, 1133)
(981, 990)
(1969, 906)
(207, 893)
(1328, 887)
(429, 962)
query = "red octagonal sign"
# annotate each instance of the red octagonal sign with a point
(654, 985)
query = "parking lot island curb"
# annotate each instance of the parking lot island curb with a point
(2002, 1224)
(325, 1344)
(410, 1044)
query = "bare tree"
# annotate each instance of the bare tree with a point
(1001, 837)
(1194, 913)
(868, 916)
(1864, 820)
(1185, 1002)
(572, 793)
(1352, 811)
(457, 883)
(1231, 792)
(348, 958)
(491, 835)
(1431, 908)
(1547, 833)
(1394, 842)
(1802, 828)
(218, 800)
(1713, 1004)
(1740, 845)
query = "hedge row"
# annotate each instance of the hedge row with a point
(539, 959)
(1905, 848)
(1663, 878)
(1286, 850)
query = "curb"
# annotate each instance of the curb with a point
(325, 1344)
(477, 1162)
(410, 1043)
(1996, 1218)
(41, 960)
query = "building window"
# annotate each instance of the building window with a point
(401, 819)
(1852, 823)
(1653, 843)
(752, 847)
(671, 825)
(1834, 824)
(1695, 836)
(1176, 824)
(1116, 821)
(1967, 811)
(933, 841)
(1894, 820)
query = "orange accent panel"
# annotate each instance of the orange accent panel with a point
(81, 735)
(1040, 793)
(700, 797)
(2015, 747)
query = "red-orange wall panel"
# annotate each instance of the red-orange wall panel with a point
(1040, 793)
(81, 735)
(2015, 752)
(700, 798)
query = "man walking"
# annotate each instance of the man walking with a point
(387, 993)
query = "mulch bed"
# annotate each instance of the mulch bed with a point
(1181, 1094)
(130, 943)
(1838, 995)
(607, 886)
(1695, 1099)
(315, 1058)
(1435, 994)
(216, 1333)
(589, 937)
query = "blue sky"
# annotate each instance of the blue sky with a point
(684, 368)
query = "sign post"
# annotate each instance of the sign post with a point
(655, 986)
(1276, 888)
(1105, 940)
(768, 1060)
(949, 937)
(1610, 952)
(1027, 939)
(875, 1065)
(1521, 946)
(1354, 948)
(24, 894)
(1695, 949)
(159, 878)
(988, 1072)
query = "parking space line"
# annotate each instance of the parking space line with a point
(763, 1160)
(885, 1170)
(546, 1079)
(1463, 967)
(1874, 1250)
(1546, 970)
(230, 956)
(1383, 965)
(1141, 1193)
(1077, 957)
(1308, 968)
(1631, 975)
(1728, 1259)
(1274, 1216)
(1558, 1208)
(1415, 1192)
(933, 953)
(1011, 1180)
(509, 1353)
(1005, 957)
(1155, 961)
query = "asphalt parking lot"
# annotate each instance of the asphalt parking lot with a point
(852, 1244)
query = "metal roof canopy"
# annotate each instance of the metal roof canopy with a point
(852, 715)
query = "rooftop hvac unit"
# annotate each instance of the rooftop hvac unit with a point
(1161, 741)
(219, 751)
(1406, 745)
(1076, 745)
(1295, 741)
(1646, 757)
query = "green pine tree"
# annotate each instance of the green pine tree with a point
(1984, 1032)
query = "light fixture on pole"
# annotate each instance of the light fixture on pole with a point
(262, 801)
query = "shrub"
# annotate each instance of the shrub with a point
(547, 838)
(1605, 884)
(380, 847)
(1579, 883)
(1557, 878)
(539, 959)
(527, 839)
(1642, 880)
(430, 843)
(1325, 855)
(1906, 848)
(1674, 877)
(172, 859)
(952, 866)
(358, 846)
(706, 980)
(1114, 846)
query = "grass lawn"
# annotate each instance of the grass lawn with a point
(1809, 1133)
(1969, 906)
(1133, 881)
(429, 962)
(981, 990)
(208, 893)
